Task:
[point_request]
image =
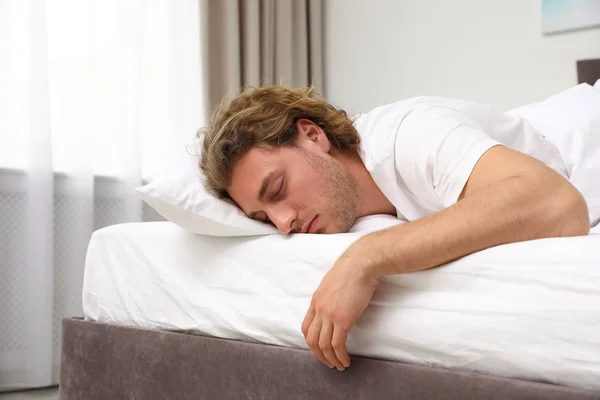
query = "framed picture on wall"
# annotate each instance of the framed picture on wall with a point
(569, 15)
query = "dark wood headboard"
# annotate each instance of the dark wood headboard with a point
(588, 71)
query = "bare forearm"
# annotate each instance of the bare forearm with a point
(511, 210)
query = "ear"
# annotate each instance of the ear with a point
(310, 136)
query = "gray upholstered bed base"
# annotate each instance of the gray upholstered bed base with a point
(101, 361)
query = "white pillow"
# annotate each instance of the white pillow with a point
(179, 195)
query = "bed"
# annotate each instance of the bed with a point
(102, 361)
(158, 326)
(161, 324)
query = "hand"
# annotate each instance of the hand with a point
(340, 299)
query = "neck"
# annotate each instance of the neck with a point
(371, 199)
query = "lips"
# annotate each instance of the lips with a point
(312, 227)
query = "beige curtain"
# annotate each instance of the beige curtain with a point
(260, 42)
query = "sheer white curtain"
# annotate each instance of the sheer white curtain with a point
(95, 96)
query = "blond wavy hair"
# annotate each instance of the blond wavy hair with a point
(266, 117)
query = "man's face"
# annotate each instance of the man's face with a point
(300, 189)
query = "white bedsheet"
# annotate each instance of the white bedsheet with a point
(528, 310)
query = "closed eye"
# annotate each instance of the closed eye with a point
(280, 193)
(263, 217)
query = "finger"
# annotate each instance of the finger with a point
(338, 342)
(325, 344)
(314, 331)
(308, 318)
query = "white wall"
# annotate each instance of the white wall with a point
(490, 51)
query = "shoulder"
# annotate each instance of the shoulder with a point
(376, 127)
(380, 127)
(391, 115)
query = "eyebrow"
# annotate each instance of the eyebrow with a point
(263, 190)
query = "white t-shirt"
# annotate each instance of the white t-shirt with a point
(421, 151)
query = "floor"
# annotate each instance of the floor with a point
(39, 394)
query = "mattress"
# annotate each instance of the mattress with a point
(526, 310)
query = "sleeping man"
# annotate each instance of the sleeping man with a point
(464, 176)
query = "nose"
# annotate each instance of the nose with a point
(282, 216)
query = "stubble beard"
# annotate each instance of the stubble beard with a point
(340, 190)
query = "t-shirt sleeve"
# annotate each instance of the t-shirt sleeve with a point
(436, 150)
